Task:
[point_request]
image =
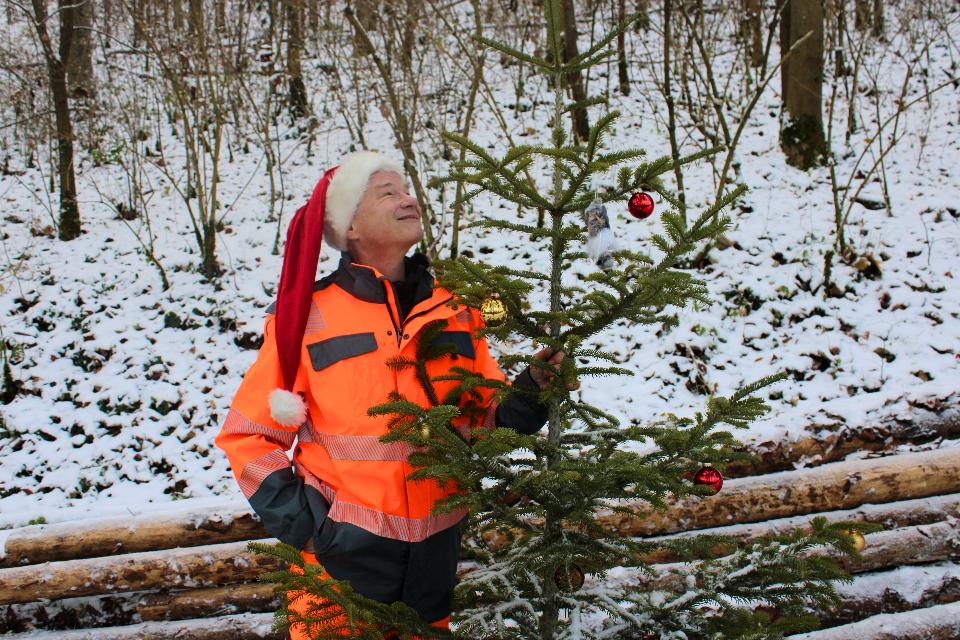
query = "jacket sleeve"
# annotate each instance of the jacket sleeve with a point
(257, 446)
(521, 410)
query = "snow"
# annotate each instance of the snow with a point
(894, 626)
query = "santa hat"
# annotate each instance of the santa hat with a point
(327, 215)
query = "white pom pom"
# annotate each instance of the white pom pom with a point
(287, 408)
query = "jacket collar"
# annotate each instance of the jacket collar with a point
(366, 283)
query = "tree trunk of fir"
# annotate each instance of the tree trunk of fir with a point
(79, 64)
(622, 74)
(750, 31)
(296, 90)
(801, 133)
(57, 77)
(574, 79)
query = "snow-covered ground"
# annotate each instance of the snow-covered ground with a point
(124, 384)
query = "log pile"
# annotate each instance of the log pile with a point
(192, 575)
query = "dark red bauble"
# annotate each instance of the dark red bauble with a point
(709, 477)
(640, 205)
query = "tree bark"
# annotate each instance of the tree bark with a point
(79, 63)
(862, 15)
(296, 90)
(574, 79)
(57, 77)
(209, 566)
(67, 541)
(230, 627)
(845, 485)
(622, 70)
(198, 603)
(801, 133)
(750, 31)
(878, 21)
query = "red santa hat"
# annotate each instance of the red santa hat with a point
(326, 215)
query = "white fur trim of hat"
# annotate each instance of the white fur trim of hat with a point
(347, 188)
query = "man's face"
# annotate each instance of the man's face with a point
(387, 217)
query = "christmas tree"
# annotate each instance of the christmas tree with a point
(540, 564)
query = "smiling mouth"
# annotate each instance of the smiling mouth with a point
(409, 218)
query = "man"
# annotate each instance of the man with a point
(347, 501)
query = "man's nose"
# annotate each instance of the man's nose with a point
(411, 201)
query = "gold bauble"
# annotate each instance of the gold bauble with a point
(493, 311)
(859, 542)
(569, 578)
(425, 431)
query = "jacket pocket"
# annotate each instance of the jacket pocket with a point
(333, 350)
(461, 341)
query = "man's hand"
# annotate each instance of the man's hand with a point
(544, 377)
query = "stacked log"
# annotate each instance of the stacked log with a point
(150, 585)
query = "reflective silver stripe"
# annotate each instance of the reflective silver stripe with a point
(306, 432)
(490, 419)
(237, 423)
(378, 522)
(254, 472)
(342, 447)
(315, 321)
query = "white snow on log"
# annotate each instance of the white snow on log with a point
(919, 623)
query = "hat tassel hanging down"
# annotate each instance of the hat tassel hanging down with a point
(300, 255)
(327, 214)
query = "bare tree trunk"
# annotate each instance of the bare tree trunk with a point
(801, 133)
(137, 17)
(220, 16)
(313, 16)
(79, 64)
(178, 19)
(57, 77)
(622, 74)
(671, 110)
(366, 11)
(196, 30)
(568, 17)
(409, 37)
(296, 90)
(878, 19)
(750, 31)
(863, 16)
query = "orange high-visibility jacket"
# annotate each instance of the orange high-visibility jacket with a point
(346, 489)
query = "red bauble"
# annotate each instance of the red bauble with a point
(640, 205)
(709, 477)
